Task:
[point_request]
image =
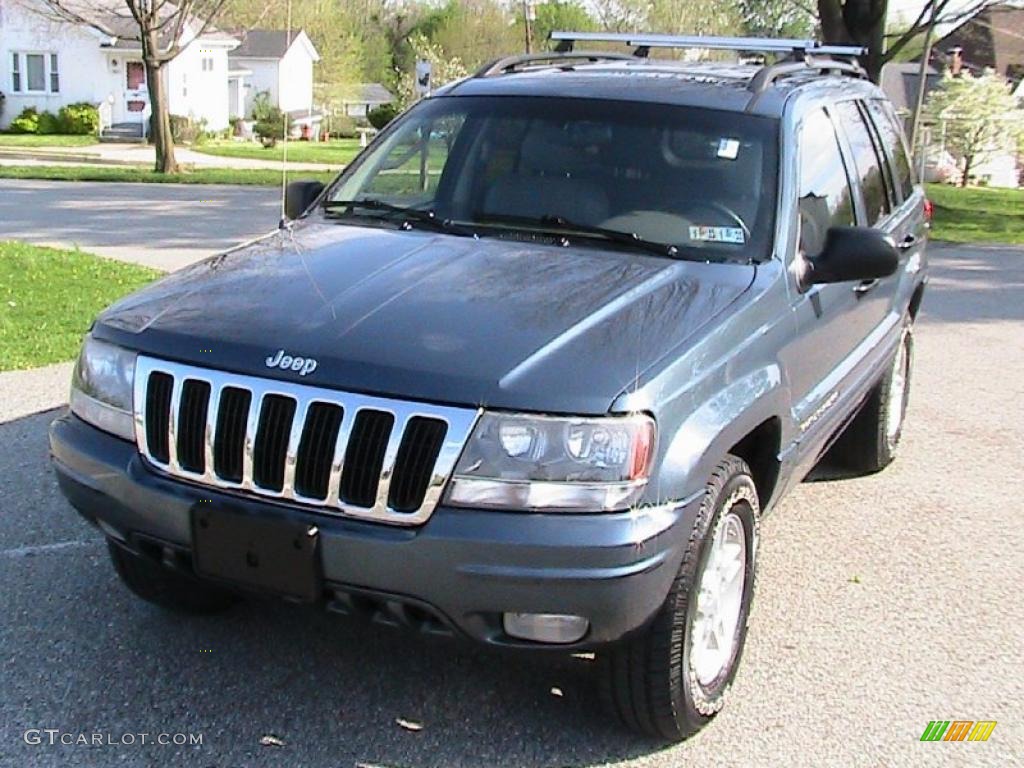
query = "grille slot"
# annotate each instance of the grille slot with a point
(364, 458)
(229, 445)
(417, 453)
(158, 406)
(355, 455)
(316, 449)
(272, 441)
(191, 433)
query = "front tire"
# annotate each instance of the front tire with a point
(167, 588)
(671, 679)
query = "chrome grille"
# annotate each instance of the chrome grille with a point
(356, 455)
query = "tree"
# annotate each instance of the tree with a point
(161, 28)
(863, 22)
(777, 18)
(444, 68)
(981, 117)
(554, 15)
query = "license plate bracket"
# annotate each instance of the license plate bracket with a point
(256, 551)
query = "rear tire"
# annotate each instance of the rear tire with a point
(667, 681)
(167, 588)
(869, 443)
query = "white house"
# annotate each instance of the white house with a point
(277, 62)
(47, 64)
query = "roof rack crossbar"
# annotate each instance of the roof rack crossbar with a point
(566, 41)
(511, 63)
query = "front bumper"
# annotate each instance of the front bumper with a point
(460, 570)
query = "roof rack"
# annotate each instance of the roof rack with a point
(767, 75)
(644, 42)
(511, 63)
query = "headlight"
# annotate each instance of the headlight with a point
(518, 461)
(101, 387)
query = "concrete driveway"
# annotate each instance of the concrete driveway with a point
(165, 226)
(883, 603)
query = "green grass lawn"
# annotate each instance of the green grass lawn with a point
(337, 152)
(266, 178)
(33, 140)
(48, 298)
(976, 215)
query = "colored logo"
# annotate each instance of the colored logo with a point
(958, 730)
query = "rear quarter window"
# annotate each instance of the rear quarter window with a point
(869, 165)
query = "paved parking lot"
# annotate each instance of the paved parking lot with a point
(883, 603)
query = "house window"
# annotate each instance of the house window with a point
(208, 64)
(135, 75)
(34, 73)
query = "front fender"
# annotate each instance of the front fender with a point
(714, 427)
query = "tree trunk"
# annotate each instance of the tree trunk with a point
(160, 121)
(968, 162)
(857, 22)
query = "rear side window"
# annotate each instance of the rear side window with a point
(825, 194)
(891, 131)
(867, 162)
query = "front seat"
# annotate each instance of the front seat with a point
(547, 182)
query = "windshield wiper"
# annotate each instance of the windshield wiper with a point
(562, 226)
(410, 214)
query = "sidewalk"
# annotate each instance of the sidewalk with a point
(139, 155)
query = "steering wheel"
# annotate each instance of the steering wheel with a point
(727, 211)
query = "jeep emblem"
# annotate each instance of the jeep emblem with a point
(301, 365)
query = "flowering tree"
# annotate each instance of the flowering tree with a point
(981, 117)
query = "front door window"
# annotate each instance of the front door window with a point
(136, 75)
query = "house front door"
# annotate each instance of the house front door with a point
(136, 97)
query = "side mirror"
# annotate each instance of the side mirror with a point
(852, 254)
(299, 195)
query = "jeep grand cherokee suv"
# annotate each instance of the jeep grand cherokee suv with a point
(531, 369)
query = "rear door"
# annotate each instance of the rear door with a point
(908, 226)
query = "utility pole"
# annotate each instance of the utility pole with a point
(528, 16)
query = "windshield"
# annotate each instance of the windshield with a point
(699, 180)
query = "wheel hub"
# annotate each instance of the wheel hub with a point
(719, 601)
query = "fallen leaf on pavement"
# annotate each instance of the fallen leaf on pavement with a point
(409, 725)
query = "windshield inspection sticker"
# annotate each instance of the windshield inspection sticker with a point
(728, 149)
(733, 235)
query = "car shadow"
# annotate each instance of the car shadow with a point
(333, 690)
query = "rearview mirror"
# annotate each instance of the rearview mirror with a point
(852, 253)
(299, 195)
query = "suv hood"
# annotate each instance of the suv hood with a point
(427, 316)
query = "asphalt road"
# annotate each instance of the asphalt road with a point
(883, 603)
(165, 226)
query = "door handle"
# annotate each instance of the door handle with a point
(861, 288)
(908, 242)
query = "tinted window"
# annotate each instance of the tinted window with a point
(825, 195)
(699, 179)
(867, 162)
(889, 127)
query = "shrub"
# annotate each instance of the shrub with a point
(382, 115)
(49, 123)
(262, 106)
(26, 122)
(271, 127)
(185, 130)
(342, 126)
(81, 119)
